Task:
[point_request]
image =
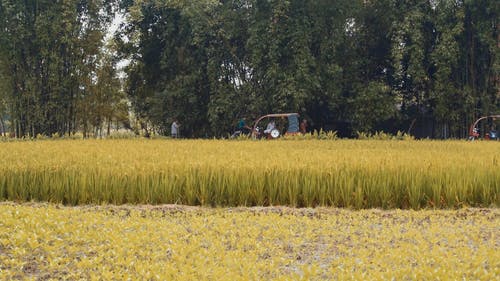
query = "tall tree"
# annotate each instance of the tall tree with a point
(412, 44)
(167, 75)
(365, 57)
(49, 49)
(343, 64)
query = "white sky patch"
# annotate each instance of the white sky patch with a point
(113, 27)
(119, 19)
(350, 26)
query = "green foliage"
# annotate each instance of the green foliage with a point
(370, 64)
(381, 135)
(49, 59)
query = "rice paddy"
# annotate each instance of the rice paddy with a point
(106, 217)
(308, 173)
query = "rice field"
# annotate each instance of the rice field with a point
(53, 242)
(106, 217)
(297, 173)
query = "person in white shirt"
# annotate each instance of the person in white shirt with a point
(174, 130)
(270, 126)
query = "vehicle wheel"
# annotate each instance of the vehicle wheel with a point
(275, 133)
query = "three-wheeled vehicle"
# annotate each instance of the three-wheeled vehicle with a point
(491, 133)
(272, 131)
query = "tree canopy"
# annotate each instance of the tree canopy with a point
(346, 65)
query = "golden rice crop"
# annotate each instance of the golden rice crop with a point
(43, 242)
(344, 173)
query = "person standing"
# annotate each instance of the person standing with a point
(174, 130)
(243, 127)
(303, 127)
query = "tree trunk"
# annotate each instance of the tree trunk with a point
(109, 127)
(85, 129)
(2, 127)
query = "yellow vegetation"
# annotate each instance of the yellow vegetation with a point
(174, 243)
(344, 173)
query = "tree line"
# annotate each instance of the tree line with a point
(425, 66)
(56, 74)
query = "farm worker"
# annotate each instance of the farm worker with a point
(243, 127)
(174, 130)
(493, 132)
(270, 126)
(303, 126)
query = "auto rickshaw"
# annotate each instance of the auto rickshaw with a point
(272, 132)
(491, 134)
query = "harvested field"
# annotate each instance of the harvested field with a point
(43, 241)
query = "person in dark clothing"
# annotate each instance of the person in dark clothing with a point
(303, 127)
